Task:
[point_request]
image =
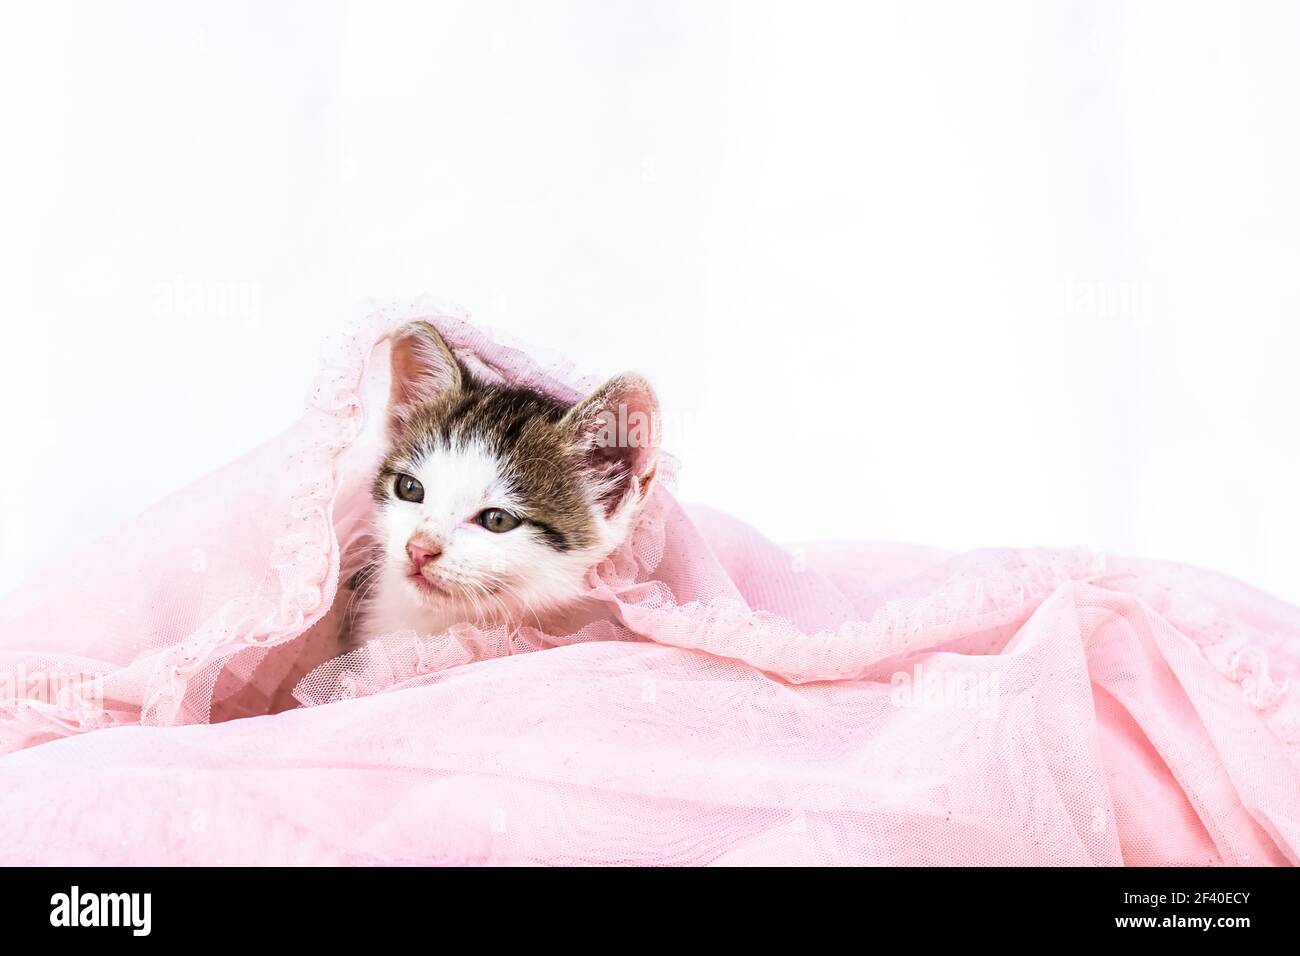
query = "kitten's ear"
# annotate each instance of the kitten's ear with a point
(423, 368)
(617, 430)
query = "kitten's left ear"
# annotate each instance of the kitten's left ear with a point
(617, 430)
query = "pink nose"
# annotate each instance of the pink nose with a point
(421, 553)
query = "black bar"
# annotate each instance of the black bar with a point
(929, 905)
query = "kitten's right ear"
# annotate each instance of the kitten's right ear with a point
(423, 368)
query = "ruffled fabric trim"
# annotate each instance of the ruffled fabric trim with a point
(1231, 646)
(306, 560)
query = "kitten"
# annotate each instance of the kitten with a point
(493, 501)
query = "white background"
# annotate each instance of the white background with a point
(960, 274)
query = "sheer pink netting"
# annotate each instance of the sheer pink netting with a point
(172, 696)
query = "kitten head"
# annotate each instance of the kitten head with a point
(495, 501)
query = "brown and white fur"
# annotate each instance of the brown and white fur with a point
(465, 461)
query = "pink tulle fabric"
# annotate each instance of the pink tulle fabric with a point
(725, 700)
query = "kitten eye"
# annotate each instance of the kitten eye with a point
(408, 489)
(494, 519)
